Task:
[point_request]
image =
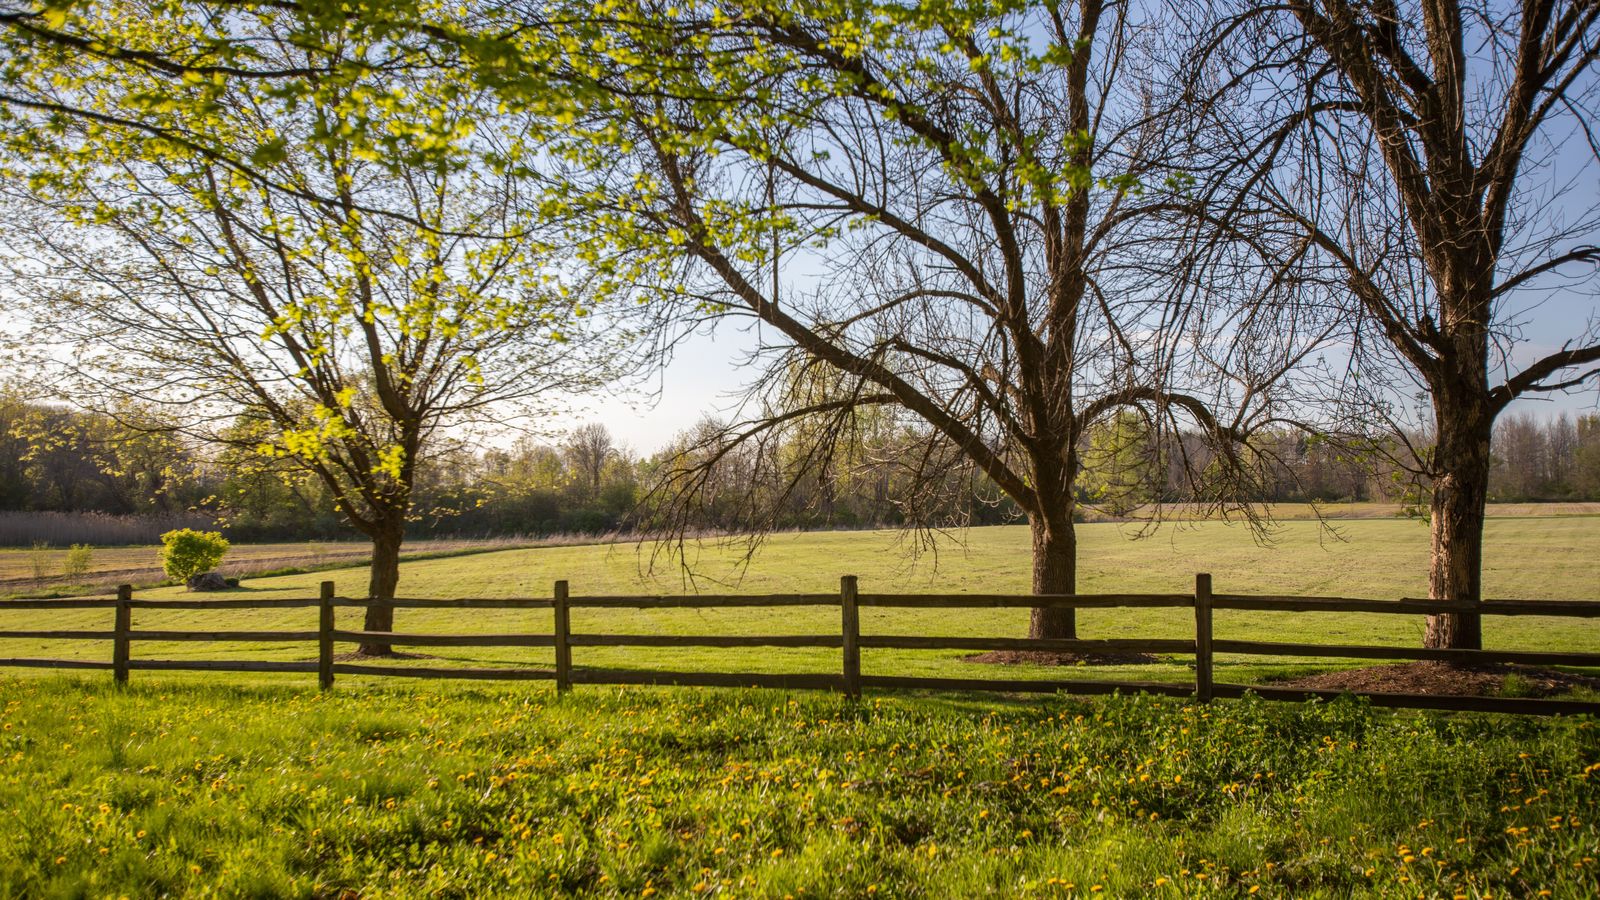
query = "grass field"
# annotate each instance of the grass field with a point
(259, 786)
(272, 792)
(32, 572)
(1528, 558)
(1373, 510)
(40, 572)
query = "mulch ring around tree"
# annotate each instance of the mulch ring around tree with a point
(1449, 679)
(1058, 658)
(358, 656)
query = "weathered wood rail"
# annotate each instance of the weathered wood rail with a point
(849, 641)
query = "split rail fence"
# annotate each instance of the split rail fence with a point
(849, 641)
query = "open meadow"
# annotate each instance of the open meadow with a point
(1530, 558)
(200, 784)
(44, 570)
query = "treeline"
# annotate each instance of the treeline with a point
(1553, 459)
(59, 461)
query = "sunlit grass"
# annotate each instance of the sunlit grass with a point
(176, 789)
(1527, 558)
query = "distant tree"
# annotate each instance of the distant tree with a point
(124, 458)
(1121, 465)
(1586, 457)
(587, 451)
(1520, 461)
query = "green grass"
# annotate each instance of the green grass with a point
(231, 785)
(169, 789)
(1527, 558)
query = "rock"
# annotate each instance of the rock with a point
(210, 581)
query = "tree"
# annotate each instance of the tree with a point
(1411, 146)
(1121, 465)
(949, 210)
(587, 450)
(182, 54)
(1586, 457)
(293, 323)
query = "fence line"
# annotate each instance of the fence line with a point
(849, 641)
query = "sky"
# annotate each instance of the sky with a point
(708, 371)
(704, 378)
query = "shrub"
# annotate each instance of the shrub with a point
(39, 557)
(77, 563)
(186, 552)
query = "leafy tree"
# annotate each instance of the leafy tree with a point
(1120, 465)
(276, 312)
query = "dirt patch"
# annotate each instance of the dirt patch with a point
(1056, 658)
(1448, 679)
(358, 656)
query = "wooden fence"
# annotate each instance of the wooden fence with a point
(849, 641)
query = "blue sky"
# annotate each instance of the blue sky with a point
(708, 371)
(705, 377)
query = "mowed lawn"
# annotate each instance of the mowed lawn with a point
(235, 785)
(1527, 558)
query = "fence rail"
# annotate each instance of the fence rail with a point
(849, 641)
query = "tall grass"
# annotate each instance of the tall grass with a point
(62, 529)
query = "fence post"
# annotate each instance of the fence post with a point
(563, 631)
(120, 634)
(1202, 637)
(325, 638)
(851, 621)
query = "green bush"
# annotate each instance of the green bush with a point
(79, 558)
(186, 552)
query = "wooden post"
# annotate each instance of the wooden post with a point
(563, 632)
(325, 638)
(851, 621)
(120, 634)
(1202, 637)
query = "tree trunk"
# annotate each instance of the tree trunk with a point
(1055, 571)
(384, 579)
(1460, 490)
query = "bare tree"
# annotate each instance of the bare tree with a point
(1439, 160)
(587, 450)
(960, 217)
